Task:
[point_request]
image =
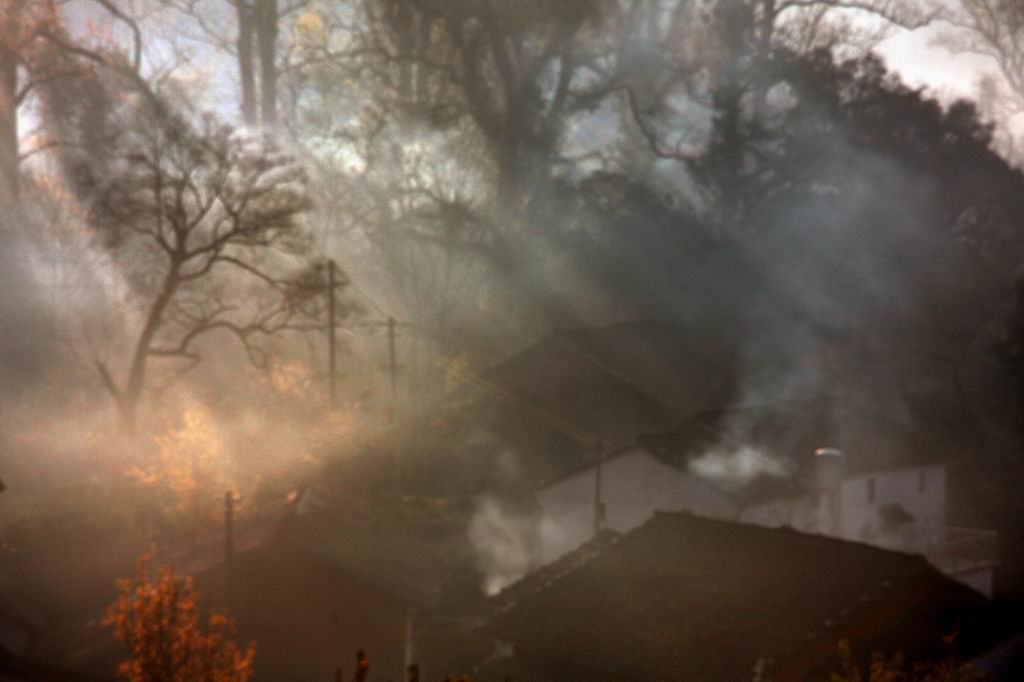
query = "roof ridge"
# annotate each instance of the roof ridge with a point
(584, 354)
(605, 456)
(543, 578)
(788, 532)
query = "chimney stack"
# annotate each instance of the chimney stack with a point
(828, 465)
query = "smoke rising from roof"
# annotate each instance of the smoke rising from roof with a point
(502, 542)
(740, 466)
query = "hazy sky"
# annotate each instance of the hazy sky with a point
(911, 53)
(921, 63)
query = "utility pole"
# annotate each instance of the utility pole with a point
(393, 367)
(331, 350)
(229, 546)
(599, 508)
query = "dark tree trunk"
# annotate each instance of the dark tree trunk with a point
(422, 73)
(246, 61)
(8, 111)
(128, 397)
(765, 38)
(509, 186)
(405, 31)
(653, 9)
(734, 26)
(24, 334)
(266, 39)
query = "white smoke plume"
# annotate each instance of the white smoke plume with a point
(502, 541)
(738, 467)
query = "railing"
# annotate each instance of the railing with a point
(966, 549)
(952, 549)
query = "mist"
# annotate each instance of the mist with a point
(502, 541)
(418, 264)
(739, 467)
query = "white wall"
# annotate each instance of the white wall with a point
(799, 513)
(566, 515)
(634, 484)
(981, 579)
(920, 490)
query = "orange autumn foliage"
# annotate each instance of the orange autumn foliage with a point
(157, 618)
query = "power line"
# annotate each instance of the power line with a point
(474, 379)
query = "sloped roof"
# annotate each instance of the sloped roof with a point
(649, 375)
(412, 560)
(417, 562)
(690, 598)
(586, 465)
(540, 579)
(669, 363)
(411, 557)
(604, 384)
(14, 667)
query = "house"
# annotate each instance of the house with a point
(620, 493)
(554, 401)
(685, 597)
(574, 393)
(331, 581)
(311, 588)
(15, 668)
(834, 466)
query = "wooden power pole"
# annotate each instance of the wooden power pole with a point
(393, 367)
(599, 507)
(331, 350)
(229, 547)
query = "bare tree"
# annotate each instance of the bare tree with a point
(10, 28)
(994, 29)
(248, 30)
(509, 67)
(22, 67)
(36, 51)
(726, 64)
(205, 223)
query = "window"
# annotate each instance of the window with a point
(871, 490)
(922, 482)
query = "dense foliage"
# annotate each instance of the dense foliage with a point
(157, 618)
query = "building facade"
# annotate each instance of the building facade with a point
(902, 509)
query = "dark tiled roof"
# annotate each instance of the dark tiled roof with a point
(601, 384)
(669, 364)
(375, 546)
(689, 598)
(544, 577)
(418, 563)
(414, 561)
(587, 465)
(669, 361)
(650, 375)
(18, 668)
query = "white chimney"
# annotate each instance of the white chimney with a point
(828, 465)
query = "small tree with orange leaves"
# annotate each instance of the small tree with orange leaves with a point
(157, 618)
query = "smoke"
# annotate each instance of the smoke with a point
(740, 466)
(23, 332)
(502, 541)
(63, 305)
